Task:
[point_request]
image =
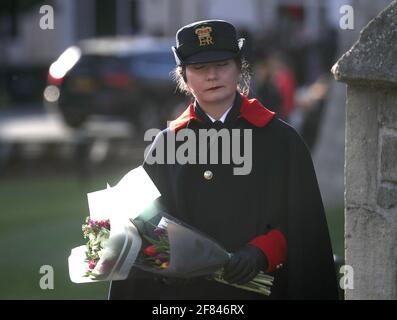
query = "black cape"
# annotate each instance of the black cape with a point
(280, 192)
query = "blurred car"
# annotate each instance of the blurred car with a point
(121, 76)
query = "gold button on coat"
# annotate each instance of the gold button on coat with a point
(208, 175)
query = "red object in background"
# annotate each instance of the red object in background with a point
(285, 82)
(54, 81)
(295, 11)
(117, 80)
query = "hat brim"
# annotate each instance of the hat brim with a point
(211, 55)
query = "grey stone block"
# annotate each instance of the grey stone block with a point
(370, 250)
(370, 70)
(387, 197)
(372, 60)
(361, 145)
(388, 113)
(389, 158)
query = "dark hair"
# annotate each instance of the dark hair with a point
(179, 76)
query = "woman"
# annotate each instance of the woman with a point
(269, 214)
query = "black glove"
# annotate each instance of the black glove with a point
(244, 265)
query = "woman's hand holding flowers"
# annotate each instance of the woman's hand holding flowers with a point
(244, 265)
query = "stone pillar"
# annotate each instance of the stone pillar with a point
(369, 69)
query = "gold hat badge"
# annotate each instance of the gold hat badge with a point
(204, 35)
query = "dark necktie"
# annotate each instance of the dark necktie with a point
(217, 125)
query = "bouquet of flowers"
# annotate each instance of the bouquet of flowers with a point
(97, 233)
(145, 237)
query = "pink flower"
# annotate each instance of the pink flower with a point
(92, 265)
(159, 231)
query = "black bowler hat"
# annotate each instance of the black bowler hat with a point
(207, 41)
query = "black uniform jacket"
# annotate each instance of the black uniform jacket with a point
(280, 192)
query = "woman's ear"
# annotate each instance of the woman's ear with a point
(183, 71)
(184, 77)
(240, 77)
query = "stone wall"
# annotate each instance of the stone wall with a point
(371, 192)
(329, 152)
(370, 70)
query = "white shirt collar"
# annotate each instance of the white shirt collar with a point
(222, 119)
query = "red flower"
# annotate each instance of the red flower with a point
(104, 224)
(150, 251)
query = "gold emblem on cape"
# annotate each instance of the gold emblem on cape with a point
(204, 35)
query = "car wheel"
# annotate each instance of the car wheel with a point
(74, 120)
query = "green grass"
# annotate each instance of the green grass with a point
(40, 219)
(336, 222)
(40, 223)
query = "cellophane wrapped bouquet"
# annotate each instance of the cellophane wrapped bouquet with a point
(127, 229)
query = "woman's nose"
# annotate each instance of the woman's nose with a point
(212, 73)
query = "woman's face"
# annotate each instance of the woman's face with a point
(213, 83)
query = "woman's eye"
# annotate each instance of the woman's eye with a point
(223, 64)
(198, 67)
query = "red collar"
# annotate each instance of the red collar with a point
(251, 110)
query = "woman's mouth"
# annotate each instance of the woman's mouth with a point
(214, 88)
